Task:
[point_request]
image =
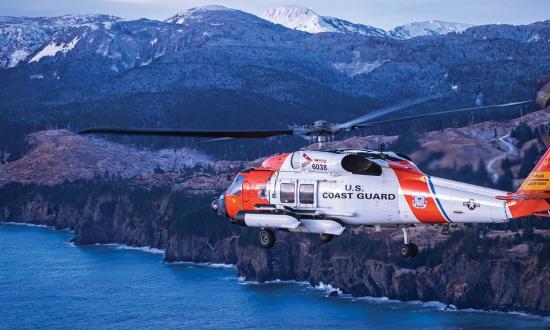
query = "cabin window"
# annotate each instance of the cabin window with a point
(236, 187)
(287, 192)
(360, 165)
(306, 193)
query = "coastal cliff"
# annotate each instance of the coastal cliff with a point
(472, 267)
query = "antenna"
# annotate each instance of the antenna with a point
(382, 147)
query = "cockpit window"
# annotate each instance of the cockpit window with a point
(262, 192)
(236, 187)
(360, 165)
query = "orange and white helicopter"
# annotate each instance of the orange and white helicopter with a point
(323, 192)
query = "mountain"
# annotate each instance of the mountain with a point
(22, 36)
(304, 19)
(530, 33)
(428, 28)
(195, 13)
(213, 67)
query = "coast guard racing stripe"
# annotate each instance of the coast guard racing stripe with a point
(416, 190)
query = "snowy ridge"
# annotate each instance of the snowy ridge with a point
(195, 12)
(428, 28)
(304, 19)
(20, 37)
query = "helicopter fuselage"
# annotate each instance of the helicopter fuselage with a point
(322, 192)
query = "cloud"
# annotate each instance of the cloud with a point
(151, 2)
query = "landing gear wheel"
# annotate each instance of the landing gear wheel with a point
(325, 238)
(266, 238)
(409, 250)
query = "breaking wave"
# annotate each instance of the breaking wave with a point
(331, 291)
(26, 224)
(119, 246)
(203, 264)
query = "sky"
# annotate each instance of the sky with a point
(385, 14)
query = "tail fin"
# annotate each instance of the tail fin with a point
(539, 179)
(533, 197)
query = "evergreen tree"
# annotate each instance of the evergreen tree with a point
(482, 176)
(529, 161)
(522, 133)
(506, 180)
(405, 143)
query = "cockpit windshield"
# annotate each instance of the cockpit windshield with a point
(236, 187)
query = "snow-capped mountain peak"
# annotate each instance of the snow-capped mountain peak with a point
(305, 19)
(297, 18)
(427, 28)
(195, 12)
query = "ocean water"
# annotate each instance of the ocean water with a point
(46, 282)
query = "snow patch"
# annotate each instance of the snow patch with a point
(356, 67)
(103, 49)
(146, 63)
(53, 48)
(534, 38)
(17, 56)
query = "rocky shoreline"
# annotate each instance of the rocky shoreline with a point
(472, 267)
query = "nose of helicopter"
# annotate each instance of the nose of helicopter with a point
(218, 206)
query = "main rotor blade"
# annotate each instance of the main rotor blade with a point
(505, 105)
(384, 111)
(217, 140)
(185, 133)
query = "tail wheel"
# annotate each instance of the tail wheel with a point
(409, 250)
(266, 238)
(325, 238)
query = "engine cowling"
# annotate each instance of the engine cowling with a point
(338, 163)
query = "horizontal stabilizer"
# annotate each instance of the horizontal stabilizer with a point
(545, 214)
(524, 196)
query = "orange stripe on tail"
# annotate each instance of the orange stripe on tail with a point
(534, 194)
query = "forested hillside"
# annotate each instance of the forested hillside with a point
(230, 69)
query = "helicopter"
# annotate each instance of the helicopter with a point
(322, 192)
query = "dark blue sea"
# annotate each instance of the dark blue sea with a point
(46, 282)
